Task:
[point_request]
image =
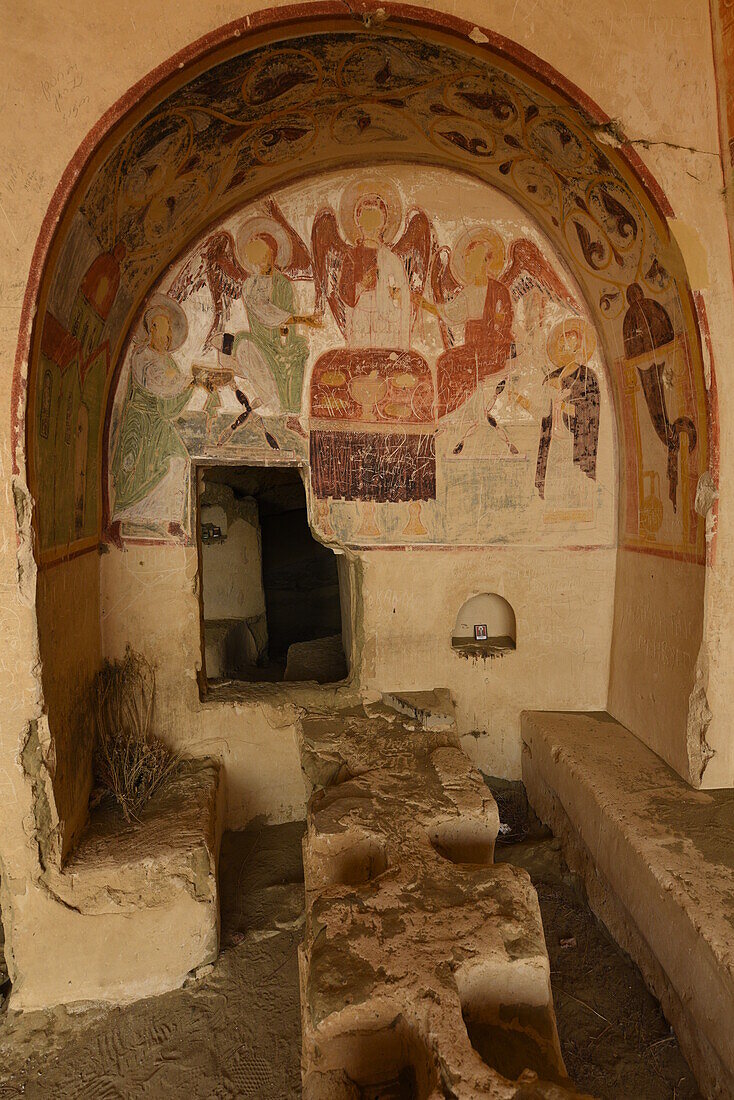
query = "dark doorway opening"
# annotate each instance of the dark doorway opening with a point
(270, 592)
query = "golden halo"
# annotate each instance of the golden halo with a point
(467, 240)
(263, 226)
(161, 303)
(381, 192)
(572, 341)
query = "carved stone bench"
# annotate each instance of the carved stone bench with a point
(135, 908)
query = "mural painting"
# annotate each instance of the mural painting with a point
(371, 400)
(149, 461)
(75, 367)
(298, 298)
(436, 372)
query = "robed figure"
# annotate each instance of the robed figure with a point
(473, 286)
(649, 343)
(371, 399)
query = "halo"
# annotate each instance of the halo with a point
(563, 350)
(256, 227)
(381, 190)
(467, 240)
(161, 303)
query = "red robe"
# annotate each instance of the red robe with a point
(487, 347)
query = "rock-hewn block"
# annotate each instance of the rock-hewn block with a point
(139, 901)
(423, 969)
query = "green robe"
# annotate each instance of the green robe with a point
(146, 443)
(286, 359)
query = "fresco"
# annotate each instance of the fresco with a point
(429, 362)
(341, 96)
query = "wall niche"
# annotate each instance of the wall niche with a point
(485, 627)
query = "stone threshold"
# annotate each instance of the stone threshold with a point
(657, 859)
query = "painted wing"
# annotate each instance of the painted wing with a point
(216, 266)
(444, 287)
(329, 253)
(414, 250)
(527, 268)
(300, 266)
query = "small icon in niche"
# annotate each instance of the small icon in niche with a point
(480, 632)
(211, 533)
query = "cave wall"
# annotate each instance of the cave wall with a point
(69, 72)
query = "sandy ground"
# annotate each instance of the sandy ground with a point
(235, 1033)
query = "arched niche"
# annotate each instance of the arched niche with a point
(281, 96)
(485, 626)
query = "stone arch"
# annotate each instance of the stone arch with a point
(283, 95)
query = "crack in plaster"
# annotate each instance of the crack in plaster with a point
(612, 133)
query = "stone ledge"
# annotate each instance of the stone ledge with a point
(123, 866)
(433, 710)
(658, 861)
(136, 907)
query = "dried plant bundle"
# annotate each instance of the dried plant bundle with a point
(130, 761)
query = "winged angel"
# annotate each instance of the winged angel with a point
(473, 287)
(258, 268)
(372, 283)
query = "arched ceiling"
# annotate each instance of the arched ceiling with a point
(303, 96)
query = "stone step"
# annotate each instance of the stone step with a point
(432, 710)
(150, 884)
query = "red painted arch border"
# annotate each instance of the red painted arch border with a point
(241, 29)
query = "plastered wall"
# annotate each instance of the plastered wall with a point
(69, 633)
(402, 612)
(651, 69)
(233, 566)
(657, 637)
(254, 736)
(562, 658)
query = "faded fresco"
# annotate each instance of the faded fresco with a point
(310, 305)
(407, 335)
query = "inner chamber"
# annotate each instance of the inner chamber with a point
(270, 591)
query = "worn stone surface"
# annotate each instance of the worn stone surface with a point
(136, 908)
(321, 660)
(423, 965)
(231, 1034)
(657, 859)
(431, 709)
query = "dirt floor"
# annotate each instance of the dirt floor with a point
(616, 1042)
(235, 1033)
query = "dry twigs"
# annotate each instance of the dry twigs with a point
(130, 761)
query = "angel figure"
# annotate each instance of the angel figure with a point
(372, 430)
(259, 268)
(473, 286)
(372, 282)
